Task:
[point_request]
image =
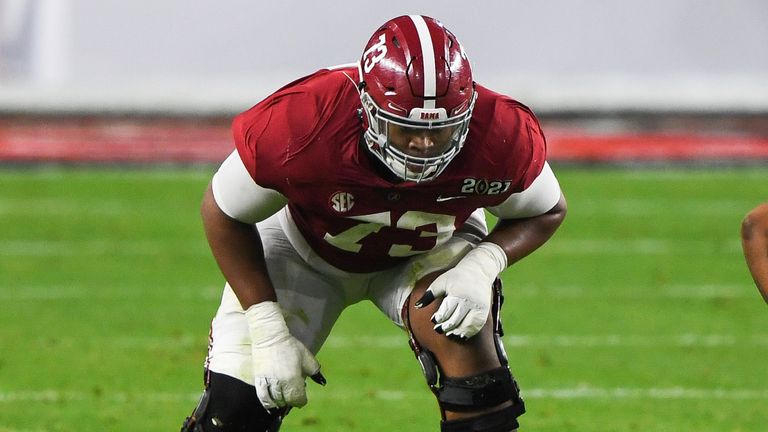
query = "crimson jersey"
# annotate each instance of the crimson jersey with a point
(304, 141)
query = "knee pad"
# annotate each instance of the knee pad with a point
(477, 392)
(193, 423)
(230, 405)
(504, 420)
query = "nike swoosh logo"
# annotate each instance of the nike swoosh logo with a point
(448, 198)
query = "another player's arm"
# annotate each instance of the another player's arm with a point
(754, 241)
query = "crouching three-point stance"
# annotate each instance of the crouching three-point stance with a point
(370, 181)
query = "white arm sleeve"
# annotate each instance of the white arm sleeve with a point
(538, 199)
(239, 197)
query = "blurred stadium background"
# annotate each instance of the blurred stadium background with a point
(639, 314)
(98, 72)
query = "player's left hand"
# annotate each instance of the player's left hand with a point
(467, 291)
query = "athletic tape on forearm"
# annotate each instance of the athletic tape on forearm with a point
(266, 324)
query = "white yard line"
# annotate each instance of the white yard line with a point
(576, 341)
(616, 340)
(105, 247)
(400, 342)
(679, 291)
(636, 207)
(6, 429)
(62, 207)
(568, 247)
(641, 246)
(587, 392)
(92, 292)
(579, 392)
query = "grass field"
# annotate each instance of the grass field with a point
(639, 315)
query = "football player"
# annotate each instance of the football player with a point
(369, 182)
(754, 241)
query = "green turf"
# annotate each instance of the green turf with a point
(638, 315)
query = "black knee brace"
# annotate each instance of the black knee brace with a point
(477, 392)
(504, 420)
(230, 405)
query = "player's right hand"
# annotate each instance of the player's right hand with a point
(280, 362)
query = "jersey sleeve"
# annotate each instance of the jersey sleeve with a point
(269, 134)
(530, 149)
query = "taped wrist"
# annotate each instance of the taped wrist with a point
(488, 257)
(266, 324)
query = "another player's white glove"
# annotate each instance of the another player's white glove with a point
(467, 291)
(280, 361)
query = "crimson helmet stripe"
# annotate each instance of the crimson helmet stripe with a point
(428, 60)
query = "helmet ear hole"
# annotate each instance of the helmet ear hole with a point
(395, 42)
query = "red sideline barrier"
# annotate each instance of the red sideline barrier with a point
(202, 141)
(576, 146)
(115, 141)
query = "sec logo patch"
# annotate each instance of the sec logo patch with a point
(342, 202)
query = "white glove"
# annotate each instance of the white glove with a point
(280, 361)
(467, 291)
